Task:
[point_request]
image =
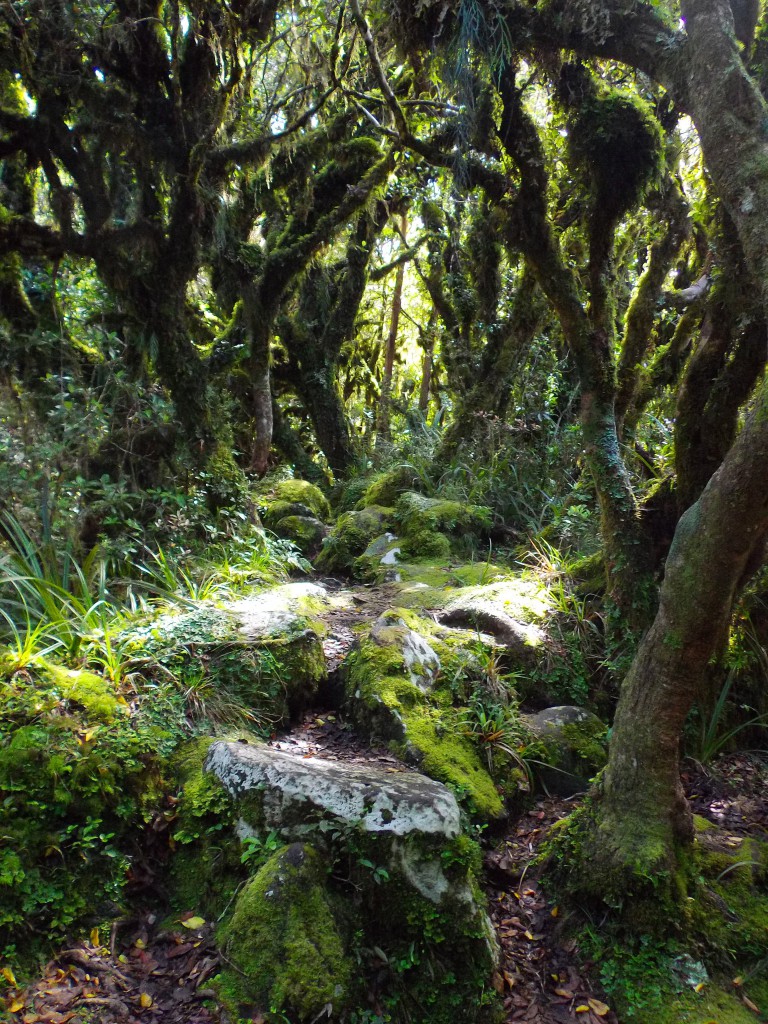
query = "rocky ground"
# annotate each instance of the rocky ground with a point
(150, 971)
(422, 637)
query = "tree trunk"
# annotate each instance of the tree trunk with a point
(589, 336)
(320, 394)
(385, 400)
(259, 325)
(428, 342)
(730, 116)
(286, 439)
(639, 818)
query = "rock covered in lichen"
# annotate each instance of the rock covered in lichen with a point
(510, 610)
(416, 511)
(306, 531)
(350, 537)
(289, 791)
(385, 488)
(406, 883)
(301, 492)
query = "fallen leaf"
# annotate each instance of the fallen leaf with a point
(701, 985)
(16, 1005)
(598, 1008)
(9, 976)
(749, 1004)
(582, 1009)
(181, 950)
(564, 993)
(193, 923)
(146, 1000)
(554, 911)
(95, 937)
(737, 982)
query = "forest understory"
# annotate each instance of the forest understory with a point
(383, 511)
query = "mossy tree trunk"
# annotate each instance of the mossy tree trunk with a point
(427, 342)
(506, 345)
(589, 334)
(641, 313)
(316, 331)
(385, 398)
(264, 274)
(639, 819)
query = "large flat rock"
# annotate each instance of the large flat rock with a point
(396, 803)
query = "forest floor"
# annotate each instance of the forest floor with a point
(149, 970)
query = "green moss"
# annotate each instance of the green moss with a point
(93, 693)
(415, 514)
(426, 544)
(274, 511)
(283, 940)
(619, 142)
(419, 725)
(731, 913)
(579, 749)
(711, 1005)
(80, 772)
(205, 868)
(385, 488)
(306, 531)
(350, 537)
(304, 493)
(225, 483)
(453, 760)
(222, 667)
(424, 942)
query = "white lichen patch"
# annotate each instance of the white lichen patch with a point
(400, 803)
(421, 661)
(278, 610)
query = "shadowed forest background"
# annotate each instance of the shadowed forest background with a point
(384, 383)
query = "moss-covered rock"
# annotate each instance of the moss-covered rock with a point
(385, 488)
(731, 914)
(389, 704)
(411, 888)
(350, 537)
(570, 745)
(304, 493)
(80, 770)
(274, 511)
(511, 610)
(426, 544)
(283, 941)
(417, 515)
(306, 532)
(263, 652)
(429, 585)
(205, 867)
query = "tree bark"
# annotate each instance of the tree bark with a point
(640, 816)
(385, 400)
(590, 340)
